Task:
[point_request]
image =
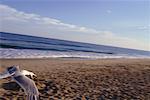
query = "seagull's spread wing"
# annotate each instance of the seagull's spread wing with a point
(28, 85)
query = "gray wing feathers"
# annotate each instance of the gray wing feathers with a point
(32, 97)
(29, 87)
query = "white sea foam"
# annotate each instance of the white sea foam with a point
(26, 53)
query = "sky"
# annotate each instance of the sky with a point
(121, 23)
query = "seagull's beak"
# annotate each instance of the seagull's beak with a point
(5, 75)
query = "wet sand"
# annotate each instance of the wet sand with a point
(82, 79)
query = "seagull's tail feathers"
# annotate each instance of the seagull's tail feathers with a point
(32, 97)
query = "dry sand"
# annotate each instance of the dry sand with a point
(82, 79)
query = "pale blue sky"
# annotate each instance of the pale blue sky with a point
(124, 18)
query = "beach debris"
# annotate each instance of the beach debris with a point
(23, 81)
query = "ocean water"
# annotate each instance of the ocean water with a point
(23, 46)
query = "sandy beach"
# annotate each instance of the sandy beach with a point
(82, 79)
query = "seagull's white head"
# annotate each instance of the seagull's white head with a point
(25, 72)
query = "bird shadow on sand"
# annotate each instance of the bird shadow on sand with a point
(11, 86)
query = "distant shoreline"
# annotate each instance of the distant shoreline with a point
(70, 58)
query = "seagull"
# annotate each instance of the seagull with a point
(25, 83)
